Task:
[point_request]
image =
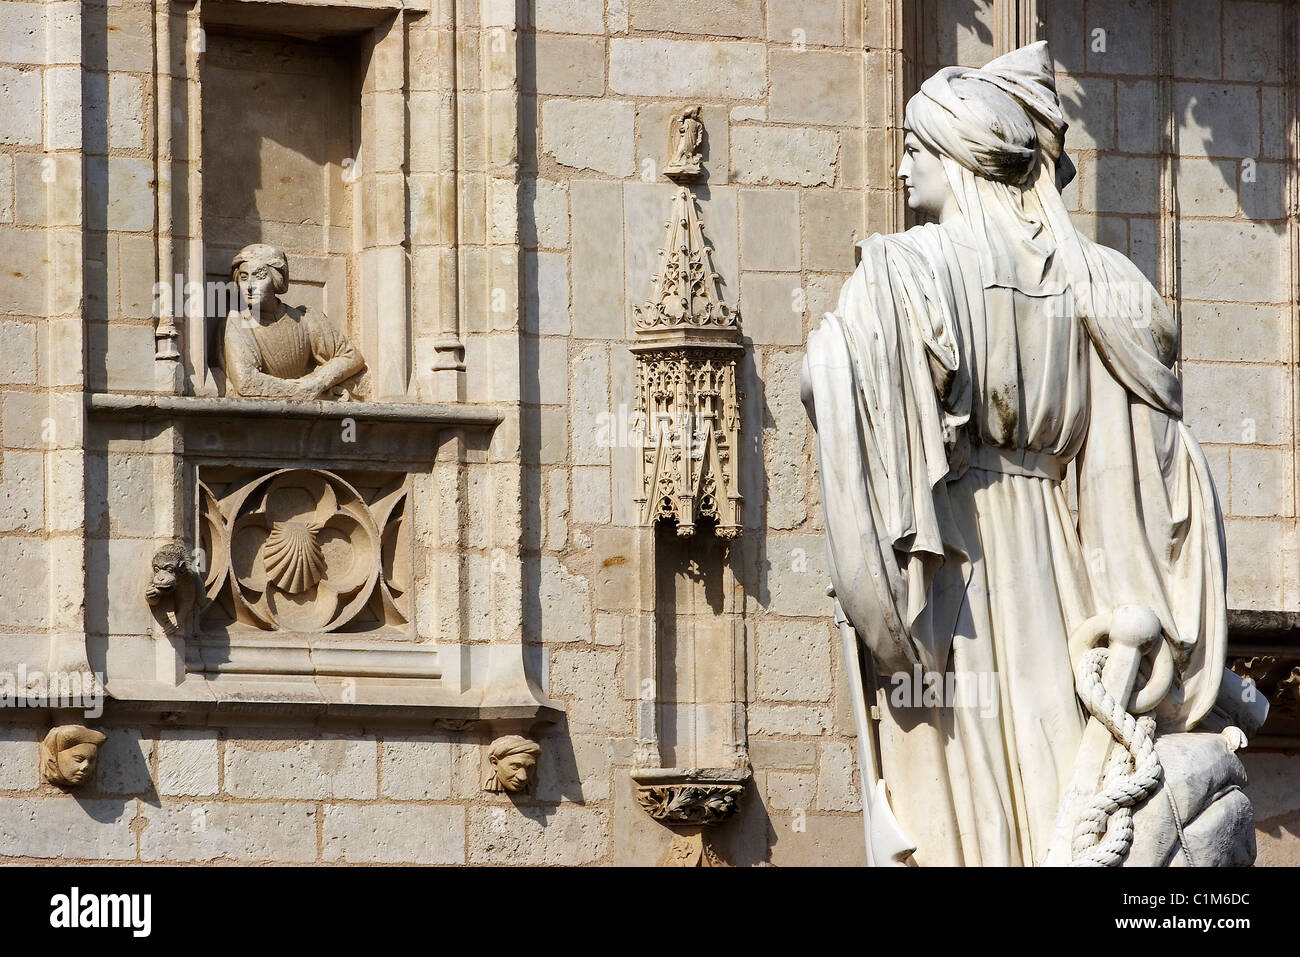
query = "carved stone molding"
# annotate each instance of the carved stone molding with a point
(687, 403)
(691, 849)
(1277, 678)
(690, 796)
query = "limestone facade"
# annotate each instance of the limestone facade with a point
(474, 192)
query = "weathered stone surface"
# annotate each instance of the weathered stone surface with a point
(569, 16)
(783, 443)
(124, 763)
(598, 310)
(817, 88)
(544, 214)
(23, 127)
(837, 778)
(60, 827)
(798, 157)
(416, 768)
(794, 662)
(766, 240)
(590, 134)
(565, 600)
(19, 759)
(788, 790)
(833, 223)
(188, 763)
(330, 767)
(722, 18)
(765, 754)
(770, 304)
(394, 834)
(653, 67)
(810, 22)
(204, 832)
(564, 835)
(568, 65)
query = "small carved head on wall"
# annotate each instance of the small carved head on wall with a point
(514, 762)
(171, 590)
(68, 755)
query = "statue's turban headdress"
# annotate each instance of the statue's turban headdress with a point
(993, 120)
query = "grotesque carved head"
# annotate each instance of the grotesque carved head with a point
(169, 563)
(261, 271)
(514, 759)
(68, 755)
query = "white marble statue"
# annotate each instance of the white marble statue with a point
(972, 363)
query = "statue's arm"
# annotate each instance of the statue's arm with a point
(337, 358)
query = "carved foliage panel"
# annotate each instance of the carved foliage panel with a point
(305, 550)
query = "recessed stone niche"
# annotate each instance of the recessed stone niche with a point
(290, 128)
(258, 544)
(281, 136)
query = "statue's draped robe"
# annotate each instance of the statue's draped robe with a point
(951, 389)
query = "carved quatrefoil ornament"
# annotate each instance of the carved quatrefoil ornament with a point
(301, 549)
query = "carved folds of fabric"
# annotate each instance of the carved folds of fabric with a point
(304, 550)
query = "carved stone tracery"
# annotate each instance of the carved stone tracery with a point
(304, 550)
(687, 405)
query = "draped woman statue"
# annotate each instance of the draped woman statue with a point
(974, 366)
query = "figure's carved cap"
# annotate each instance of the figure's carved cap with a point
(264, 254)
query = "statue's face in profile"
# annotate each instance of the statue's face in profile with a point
(77, 763)
(923, 177)
(514, 770)
(255, 284)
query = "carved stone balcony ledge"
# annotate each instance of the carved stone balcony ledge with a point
(479, 684)
(154, 405)
(690, 796)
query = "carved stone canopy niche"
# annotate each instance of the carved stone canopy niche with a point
(687, 403)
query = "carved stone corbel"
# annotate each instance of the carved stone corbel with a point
(690, 800)
(687, 403)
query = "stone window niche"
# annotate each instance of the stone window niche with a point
(281, 131)
(295, 134)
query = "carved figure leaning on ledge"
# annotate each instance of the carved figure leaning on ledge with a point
(277, 351)
(970, 362)
(69, 753)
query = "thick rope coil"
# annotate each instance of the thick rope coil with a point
(1104, 833)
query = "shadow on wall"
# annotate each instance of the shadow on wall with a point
(1228, 99)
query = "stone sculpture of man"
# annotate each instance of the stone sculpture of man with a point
(514, 759)
(277, 351)
(970, 363)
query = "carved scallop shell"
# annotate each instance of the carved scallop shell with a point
(293, 557)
